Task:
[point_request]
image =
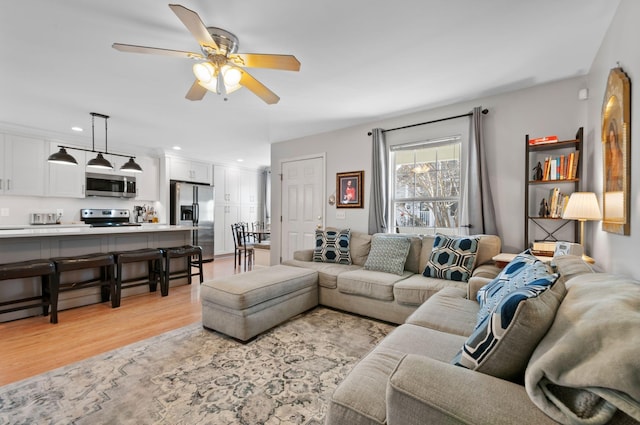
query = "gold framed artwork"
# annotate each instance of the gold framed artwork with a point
(349, 190)
(616, 153)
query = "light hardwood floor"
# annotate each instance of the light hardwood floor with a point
(32, 346)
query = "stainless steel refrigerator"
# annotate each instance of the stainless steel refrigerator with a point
(192, 204)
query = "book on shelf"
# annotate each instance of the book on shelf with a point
(543, 246)
(557, 202)
(543, 140)
(562, 167)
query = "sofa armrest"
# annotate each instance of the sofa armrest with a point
(303, 255)
(480, 276)
(422, 390)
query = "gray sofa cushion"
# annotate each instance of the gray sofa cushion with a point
(371, 284)
(327, 272)
(448, 311)
(360, 398)
(360, 244)
(416, 289)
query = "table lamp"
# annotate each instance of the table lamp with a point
(582, 206)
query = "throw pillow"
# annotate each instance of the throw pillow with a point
(508, 280)
(332, 246)
(452, 258)
(388, 253)
(503, 342)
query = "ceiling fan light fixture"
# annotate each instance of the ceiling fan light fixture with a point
(100, 162)
(204, 71)
(212, 86)
(62, 157)
(131, 166)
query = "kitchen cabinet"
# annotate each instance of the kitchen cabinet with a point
(66, 180)
(21, 165)
(236, 195)
(227, 183)
(190, 171)
(148, 182)
(225, 216)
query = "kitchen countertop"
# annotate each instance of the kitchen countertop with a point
(83, 229)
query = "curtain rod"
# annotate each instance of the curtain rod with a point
(484, 112)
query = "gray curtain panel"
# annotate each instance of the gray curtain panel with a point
(379, 200)
(482, 216)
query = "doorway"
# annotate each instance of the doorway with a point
(302, 204)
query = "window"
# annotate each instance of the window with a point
(427, 186)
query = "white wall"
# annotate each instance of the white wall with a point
(615, 253)
(539, 111)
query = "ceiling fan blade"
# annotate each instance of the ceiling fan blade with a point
(194, 24)
(256, 60)
(258, 88)
(196, 92)
(156, 51)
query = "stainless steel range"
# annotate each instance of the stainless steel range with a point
(106, 217)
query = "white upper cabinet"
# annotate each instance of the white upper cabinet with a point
(148, 182)
(22, 165)
(227, 184)
(190, 171)
(66, 180)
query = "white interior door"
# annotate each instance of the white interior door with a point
(302, 206)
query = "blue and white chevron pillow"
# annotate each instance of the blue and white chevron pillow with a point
(332, 246)
(503, 340)
(490, 294)
(452, 258)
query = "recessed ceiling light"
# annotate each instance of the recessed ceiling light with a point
(75, 128)
(177, 148)
(240, 159)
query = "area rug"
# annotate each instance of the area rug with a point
(196, 376)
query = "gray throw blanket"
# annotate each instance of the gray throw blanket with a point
(588, 364)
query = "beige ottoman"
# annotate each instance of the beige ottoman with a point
(244, 305)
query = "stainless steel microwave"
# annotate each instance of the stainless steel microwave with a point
(110, 185)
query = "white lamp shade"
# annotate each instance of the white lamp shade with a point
(582, 206)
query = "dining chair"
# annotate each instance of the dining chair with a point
(243, 245)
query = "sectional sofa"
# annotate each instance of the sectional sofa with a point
(556, 350)
(384, 295)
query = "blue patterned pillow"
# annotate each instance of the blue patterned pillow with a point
(502, 343)
(388, 253)
(452, 258)
(332, 246)
(490, 294)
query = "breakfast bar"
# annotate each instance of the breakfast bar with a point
(37, 242)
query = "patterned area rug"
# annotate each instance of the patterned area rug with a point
(196, 376)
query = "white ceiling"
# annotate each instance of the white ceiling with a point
(362, 60)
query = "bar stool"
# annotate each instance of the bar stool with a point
(188, 252)
(44, 269)
(105, 280)
(153, 257)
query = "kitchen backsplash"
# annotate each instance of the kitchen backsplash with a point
(18, 209)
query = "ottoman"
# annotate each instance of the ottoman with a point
(246, 304)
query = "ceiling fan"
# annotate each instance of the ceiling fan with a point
(220, 68)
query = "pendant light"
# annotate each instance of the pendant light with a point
(131, 166)
(99, 161)
(62, 157)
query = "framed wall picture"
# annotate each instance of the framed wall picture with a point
(349, 190)
(616, 153)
